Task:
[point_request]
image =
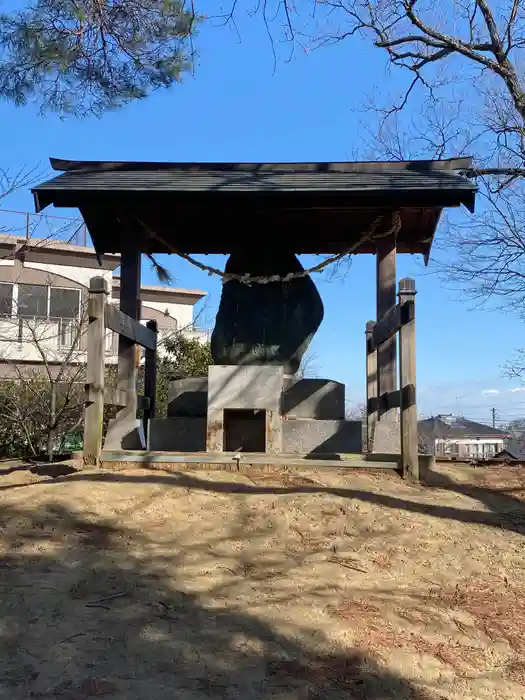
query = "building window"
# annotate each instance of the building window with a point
(6, 299)
(32, 301)
(490, 449)
(28, 303)
(67, 332)
(64, 303)
(40, 301)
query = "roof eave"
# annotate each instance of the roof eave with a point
(45, 196)
(461, 164)
(42, 199)
(468, 200)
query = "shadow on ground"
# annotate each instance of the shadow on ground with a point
(501, 509)
(87, 612)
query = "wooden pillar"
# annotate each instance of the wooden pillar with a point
(130, 261)
(94, 411)
(371, 386)
(386, 299)
(407, 374)
(150, 381)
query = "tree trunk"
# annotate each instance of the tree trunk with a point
(52, 417)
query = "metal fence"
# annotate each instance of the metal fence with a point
(43, 226)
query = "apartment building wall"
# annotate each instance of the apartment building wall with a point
(166, 313)
(25, 340)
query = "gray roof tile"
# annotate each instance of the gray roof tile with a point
(254, 177)
(459, 427)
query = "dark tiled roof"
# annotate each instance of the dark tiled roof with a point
(317, 208)
(258, 177)
(459, 427)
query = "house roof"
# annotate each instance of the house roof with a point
(151, 292)
(458, 427)
(52, 251)
(210, 207)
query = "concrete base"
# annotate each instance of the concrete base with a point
(321, 436)
(323, 399)
(118, 436)
(228, 461)
(177, 434)
(188, 397)
(387, 435)
(244, 389)
(300, 436)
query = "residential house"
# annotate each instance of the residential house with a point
(43, 294)
(460, 438)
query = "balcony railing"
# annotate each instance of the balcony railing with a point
(53, 333)
(59, 228)
(60, 335)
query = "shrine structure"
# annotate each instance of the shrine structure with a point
(252, 407)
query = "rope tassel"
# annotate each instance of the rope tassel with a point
(164, 275)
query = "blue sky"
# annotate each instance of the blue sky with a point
(240, 107)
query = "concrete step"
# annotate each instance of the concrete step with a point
(338, 461)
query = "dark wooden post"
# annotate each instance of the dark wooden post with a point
(127, 366)
(150, 381)
(407, 372)
(94, 411)
(386, 299)
(371, 386)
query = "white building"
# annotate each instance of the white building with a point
(43, 294)
(456, 437)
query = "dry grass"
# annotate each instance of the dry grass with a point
(509, 480)
(310, 585)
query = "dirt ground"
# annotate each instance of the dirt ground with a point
(204, 585)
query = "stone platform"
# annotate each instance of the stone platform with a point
(302, 435)
(253, 409)
(323, 399)
(179, 461)
(304, 416)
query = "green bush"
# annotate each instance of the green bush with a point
(39, 416)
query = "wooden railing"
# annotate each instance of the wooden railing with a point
(104, 316)
(401, 319)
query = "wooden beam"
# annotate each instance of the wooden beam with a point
(386, 299)
(131, 329)
(371, 386)
(388, 400)
(387, 326)
(407, 372)
(94, 411)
